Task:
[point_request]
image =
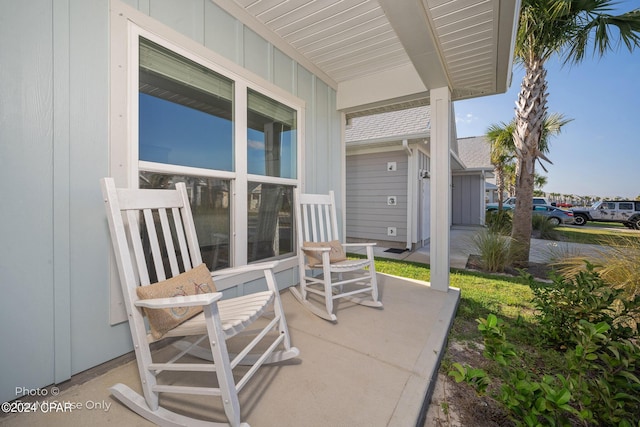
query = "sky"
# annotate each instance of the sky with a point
(598, 152)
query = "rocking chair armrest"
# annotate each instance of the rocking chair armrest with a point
(228, 272)
(317, 248)
(355, 245)
(180, 301)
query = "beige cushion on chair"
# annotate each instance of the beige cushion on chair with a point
(315, 257)
(195, 281)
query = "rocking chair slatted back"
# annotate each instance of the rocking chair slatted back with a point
(155, 234)
(319, 222)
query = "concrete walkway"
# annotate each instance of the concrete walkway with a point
(461, 246)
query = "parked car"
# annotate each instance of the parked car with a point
(555, 215)
(626, 212)
(510, 203)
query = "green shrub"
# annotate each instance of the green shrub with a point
(543, 228)
(499, 221)
(493, 249)
(495, 340)
(598, 386)
(538, 221)
(476, 378)
(603, 376)
(530, 401)
(563, 303)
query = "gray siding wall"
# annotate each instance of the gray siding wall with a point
(54, 109)
(369, 184)
(468, 191)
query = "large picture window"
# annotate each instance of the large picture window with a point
(187, 132)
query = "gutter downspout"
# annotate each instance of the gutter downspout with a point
(410, 192)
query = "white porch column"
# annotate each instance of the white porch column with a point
(440, 187)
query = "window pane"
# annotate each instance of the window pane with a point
(211, 213)
(270, 221)
(271, 134)
(186, 111)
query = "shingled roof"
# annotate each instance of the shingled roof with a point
(475, 152)
(412, 123)
(401, 123)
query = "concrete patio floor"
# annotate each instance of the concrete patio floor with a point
(374, 367)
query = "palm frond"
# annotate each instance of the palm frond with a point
(500, 136)
(552, 126)
(608, 33)
(571, 28)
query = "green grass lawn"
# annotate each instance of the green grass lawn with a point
(596, 236)
(607, 225)
(507, 297)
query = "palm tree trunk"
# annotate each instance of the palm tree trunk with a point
(531, 110)
(500, 184)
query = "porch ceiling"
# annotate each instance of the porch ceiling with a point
(465, 45)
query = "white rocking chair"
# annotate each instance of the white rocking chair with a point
(323, 267)
(155, 227)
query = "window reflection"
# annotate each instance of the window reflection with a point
(270, 221)
(185, 111)
(271, 133)
(211, 212)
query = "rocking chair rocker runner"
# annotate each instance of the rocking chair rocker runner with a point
(322, 264)
(160, 222)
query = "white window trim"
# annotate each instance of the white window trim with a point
(126, 26)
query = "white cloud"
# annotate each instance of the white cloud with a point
(466, 119)
(255, 145)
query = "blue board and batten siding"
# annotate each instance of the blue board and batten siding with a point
(26, 217)
(54, 148)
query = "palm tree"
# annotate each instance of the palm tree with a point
(502, 153)
(510, 178)
(547, 28)
(540, 181)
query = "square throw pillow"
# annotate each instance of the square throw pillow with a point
(315, 258)
(161, 320)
